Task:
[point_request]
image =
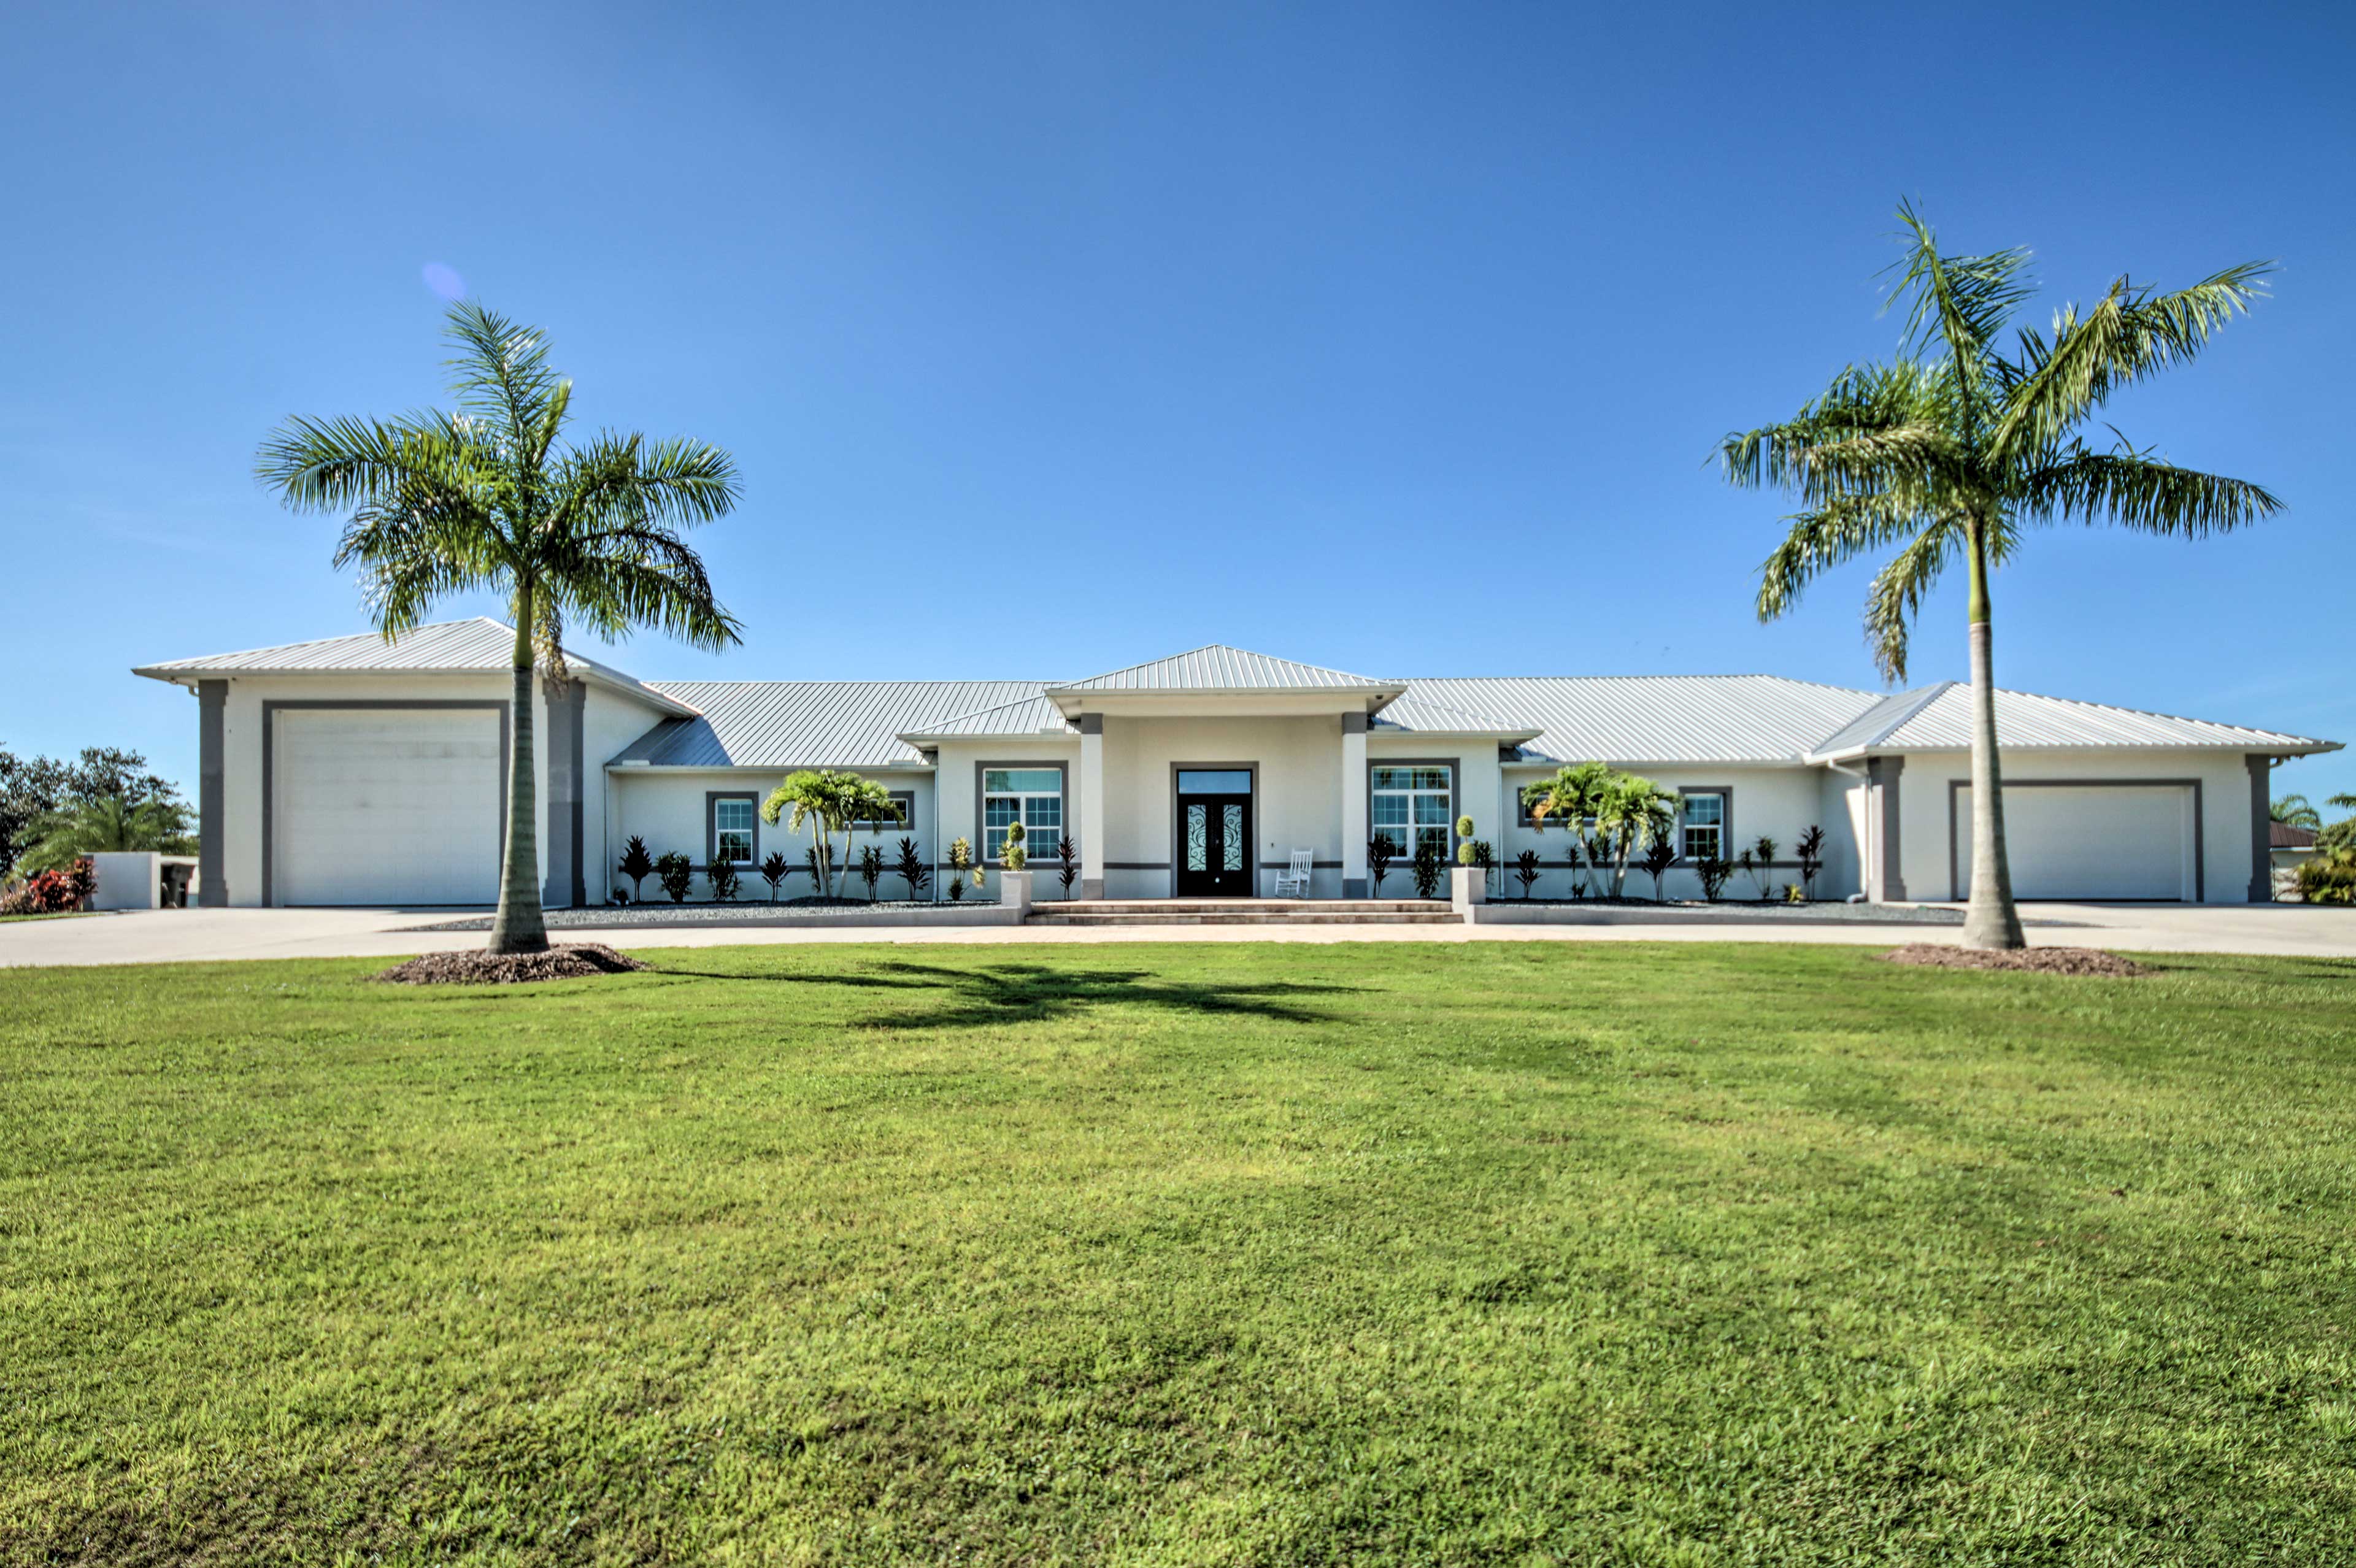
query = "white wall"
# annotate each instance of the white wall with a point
(666, 808)
(2224, 780)
(1297, 798)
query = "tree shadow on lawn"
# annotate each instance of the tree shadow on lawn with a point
(1034, 993)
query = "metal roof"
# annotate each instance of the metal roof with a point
(1417, 714)
(1218, 667)
(478, 646)
(1028, 716)
(816, 724)
(1941, 721)
(1632, 719)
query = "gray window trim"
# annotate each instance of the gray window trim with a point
(1725, 823)
(1176, 857)
(1455, 766)
(712, 799)
(270, 710)
(1955, 788)
(982, 805)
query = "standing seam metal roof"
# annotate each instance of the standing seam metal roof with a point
(815, 723)
(1218, 667)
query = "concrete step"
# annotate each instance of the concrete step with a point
(1424, 916)
(1241, 906)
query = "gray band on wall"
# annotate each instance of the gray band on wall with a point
(1882, 775)
(567, 886)
(2262, 856)
(212, 800)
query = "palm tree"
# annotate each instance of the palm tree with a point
(831, 800)
(105, 824)
(2294, 811)
(1951, 450)
(1631, 812)
(489, 496)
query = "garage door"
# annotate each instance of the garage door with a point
(2089, 841)
(385, 805)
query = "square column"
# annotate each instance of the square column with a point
(1092, 807)
(1353, 805)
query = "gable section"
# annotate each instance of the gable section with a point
(1217, 667)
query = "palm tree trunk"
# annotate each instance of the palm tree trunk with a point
(1991, 920)
(519, 927)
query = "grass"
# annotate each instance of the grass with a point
(1495, 1252)
(59, 914)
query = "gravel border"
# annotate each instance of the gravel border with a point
(654, 917)
(1821, 913)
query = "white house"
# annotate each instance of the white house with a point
(354, 771)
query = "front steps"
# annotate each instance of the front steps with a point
(1246, 911)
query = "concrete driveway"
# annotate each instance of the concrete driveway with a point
(179, 936)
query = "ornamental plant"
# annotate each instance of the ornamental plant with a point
(774, 872)
(1810, 848)
(676, 872)
(1427, 870)
(1526, 871)
(1659, 856)
(1011, 854)
(1380, 852)
(636, 864)
(912, 870)
(1465, 856)
(961, 863)
(724, 880)
(871, 869)
(1067, 857)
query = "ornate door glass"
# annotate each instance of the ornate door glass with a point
(1198, 850)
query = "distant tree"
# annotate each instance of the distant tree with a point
(1951, 452)
(636, 864)
(32, 789)
(489, 498)
(2294, 811)
(912, 870)
(157, 824)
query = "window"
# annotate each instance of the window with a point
(731, 829)
(1705, 825)
(1032, 796)
(906, 819)
(1411, 807)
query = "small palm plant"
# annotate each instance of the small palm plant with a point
(1660, 854)
(1380, 853)
(871, 869)
(1811, 851)
(1715, 872)
(960, 865)
(636, 864)
(774, 872)
(1426, 866)
(490, 496)
(1760, 862)
(912, 870)
(725, 881)
(1951, 452)
(1067, 864)
(1526, 871)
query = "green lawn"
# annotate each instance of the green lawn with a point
(1510, 1252)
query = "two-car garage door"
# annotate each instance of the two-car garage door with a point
(385, 805)
(2090, 841)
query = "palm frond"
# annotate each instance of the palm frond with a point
(2136, 491)
(1889, 415)
(501, 372)
(1958, 305)
(2129, 334)
(1899, 590)
(1828, 535)
(633, 479)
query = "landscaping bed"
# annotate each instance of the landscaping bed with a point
(655, 916)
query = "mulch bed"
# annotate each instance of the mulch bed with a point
(2035, 960)
(563, 961)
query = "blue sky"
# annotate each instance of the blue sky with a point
(1054, 337)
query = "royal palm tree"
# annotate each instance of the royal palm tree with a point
(1952, 450)
(490, 496)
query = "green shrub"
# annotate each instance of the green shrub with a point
(2328, 879)
(677, 874)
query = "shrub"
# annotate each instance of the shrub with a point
(1427, 870)
(913, 870)
(636, 864)
(17, 899)
(871, 869)
(1795, 894)
(1464, 848)
(961, 862)
(1660, 854)
(676, 872)
(1811, 850)
(2328, 879)
(1013, 856)
(53, 892)
(1379, 855)
(724, 880)
(1715, 872)
(774, 872)
(1526, 870)
(81, 882)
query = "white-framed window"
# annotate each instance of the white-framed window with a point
(1705, 825)
(1032, 796)
(1410, 806)
(731, 829)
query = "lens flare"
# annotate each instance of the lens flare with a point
(445, 280)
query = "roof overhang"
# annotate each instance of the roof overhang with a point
(188, 675)
(1235, 702)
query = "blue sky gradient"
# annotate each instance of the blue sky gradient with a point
(1054, 337)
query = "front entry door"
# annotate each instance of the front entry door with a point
(1214, 845)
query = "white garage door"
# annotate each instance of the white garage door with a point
(386, 805)
(2089, 841)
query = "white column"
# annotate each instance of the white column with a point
(1353, 805)
(1092, 807)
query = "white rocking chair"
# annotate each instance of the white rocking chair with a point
(1294, 883)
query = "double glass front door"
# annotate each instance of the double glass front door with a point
(1215, 834)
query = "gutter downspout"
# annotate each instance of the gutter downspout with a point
(1872, 848)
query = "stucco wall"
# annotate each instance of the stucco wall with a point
(242, 826)
(2225, 808)
(609, 722)
(666, 808)
(1297, 788)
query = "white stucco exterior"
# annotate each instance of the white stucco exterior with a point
(624, 758)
